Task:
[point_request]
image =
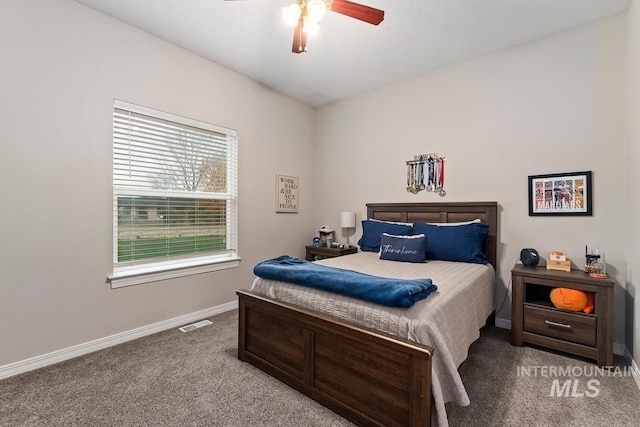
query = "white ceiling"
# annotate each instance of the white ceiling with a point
(348, 57)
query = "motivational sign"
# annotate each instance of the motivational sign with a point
(286, 193)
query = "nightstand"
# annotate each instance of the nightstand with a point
(324, 252)
(535, 320)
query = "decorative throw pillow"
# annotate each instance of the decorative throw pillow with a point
(461, 243)
(402, 248)
(372, 230)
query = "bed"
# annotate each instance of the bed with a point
(369, 374)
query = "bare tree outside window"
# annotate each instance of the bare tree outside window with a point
(189, 165)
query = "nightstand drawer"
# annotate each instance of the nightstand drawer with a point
(572, 327)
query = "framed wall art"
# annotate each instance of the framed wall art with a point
(286, 193)
(566, 194)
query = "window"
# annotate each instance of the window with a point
(174, 196)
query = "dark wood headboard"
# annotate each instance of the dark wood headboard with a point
(443, 212)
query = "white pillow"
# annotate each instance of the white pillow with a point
(449, 224)
(445, 224)
(410, 224)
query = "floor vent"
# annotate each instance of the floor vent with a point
(196, 325)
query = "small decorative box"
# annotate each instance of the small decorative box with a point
(553, 264)
(557, 256)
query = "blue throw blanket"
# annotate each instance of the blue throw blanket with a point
(381, 290)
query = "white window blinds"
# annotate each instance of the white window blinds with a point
(175, 187)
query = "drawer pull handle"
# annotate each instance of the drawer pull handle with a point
(559, 325)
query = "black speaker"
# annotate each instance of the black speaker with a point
(529, 257)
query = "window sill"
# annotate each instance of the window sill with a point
(164, 271)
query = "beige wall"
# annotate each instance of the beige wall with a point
(63, 64)
(552, 105)
(633, 178)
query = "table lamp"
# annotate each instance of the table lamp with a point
(347, 220)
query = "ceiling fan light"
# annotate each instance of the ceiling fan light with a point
(312, 31)
(316, 9)
(292, 14)
(310, 27)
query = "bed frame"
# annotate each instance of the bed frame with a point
(368, 377)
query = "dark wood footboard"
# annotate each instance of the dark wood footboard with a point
(369, 378)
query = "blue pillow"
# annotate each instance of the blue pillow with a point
(402, 248)
(462, 243)
(372, 230)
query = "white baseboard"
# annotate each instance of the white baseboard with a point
(101, 343)
(503, 323)
(618, 349)
(633, 366)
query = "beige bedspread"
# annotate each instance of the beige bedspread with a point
(448, 320)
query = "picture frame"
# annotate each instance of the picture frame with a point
(561, 194)
(286, 193)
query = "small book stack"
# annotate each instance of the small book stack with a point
(557, 261)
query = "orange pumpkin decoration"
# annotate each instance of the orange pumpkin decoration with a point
(572, 299)
(590, 303)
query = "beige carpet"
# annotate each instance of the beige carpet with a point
(194, 379)
(502, 394)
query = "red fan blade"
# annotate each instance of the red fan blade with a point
(358, 11)
(299, 38)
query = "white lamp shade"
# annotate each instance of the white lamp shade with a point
(316, 10)
(292, 14)
(347, 219)
(310, 27)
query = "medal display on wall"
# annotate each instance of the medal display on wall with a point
(426, 172)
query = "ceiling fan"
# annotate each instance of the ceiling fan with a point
(304, 15)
